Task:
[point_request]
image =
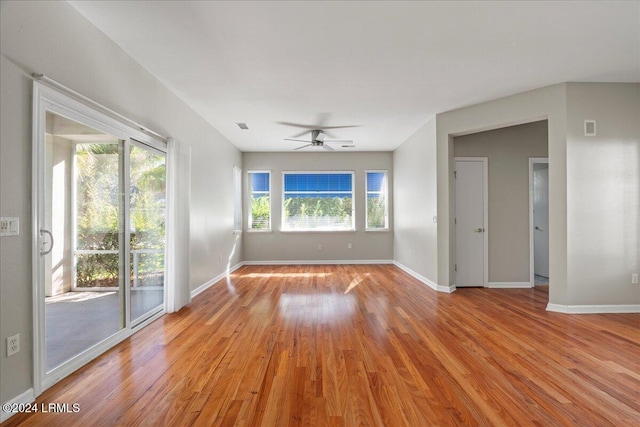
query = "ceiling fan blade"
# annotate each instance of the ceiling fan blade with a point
(343, 141)
(298, 135)
(298, 125)
(326, 147)
(338, 127)
(304, 146)
(296, 140)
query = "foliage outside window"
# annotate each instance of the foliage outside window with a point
(317, 201)
(98, 216)
(377, 200)
(260, 214)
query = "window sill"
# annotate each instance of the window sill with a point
(259, 230)
(319, 231)
(377, 230)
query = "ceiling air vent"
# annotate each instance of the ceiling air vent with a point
(243, 126)
(589, 128)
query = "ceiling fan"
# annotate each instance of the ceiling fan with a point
(319, 139)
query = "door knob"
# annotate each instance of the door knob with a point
(539, 229)
(479, 230)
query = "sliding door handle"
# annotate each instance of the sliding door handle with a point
(44, 231)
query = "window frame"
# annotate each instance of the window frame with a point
(366, 200)
(250, 204)
(284, 229)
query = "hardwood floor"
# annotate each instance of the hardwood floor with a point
(360, 345)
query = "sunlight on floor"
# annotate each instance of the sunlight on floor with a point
(355, 282)
(77, 296)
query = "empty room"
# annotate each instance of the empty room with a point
(267, 213)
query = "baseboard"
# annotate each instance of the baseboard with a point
(594, 309)
(321, 261)
(22, 399)
(431, 284)
(216, 279)
(508, 285)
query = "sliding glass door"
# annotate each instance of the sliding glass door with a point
(82, 237)
(99, 215)
(147, 198)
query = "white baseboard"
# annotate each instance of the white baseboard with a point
(431, 284)
(594, 309)
(321, 261)
(508, 285)
(24, 398)
(216, 279)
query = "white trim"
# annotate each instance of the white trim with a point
(594, 309)
(215, 280)
(23, 398)
(532, 161)
(485, 220)
(320, 262)
(508, 285)
(431, 284)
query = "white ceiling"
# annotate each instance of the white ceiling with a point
(385, 66)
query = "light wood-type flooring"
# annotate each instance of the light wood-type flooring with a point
(360, 345)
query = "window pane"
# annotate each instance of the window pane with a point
(260, 216)
(318, 201)
(377, 212)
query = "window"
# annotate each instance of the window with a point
(317, 201)
(377, 204)
(237, 199)
(260, 213)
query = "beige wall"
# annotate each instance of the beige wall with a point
(508, 150)
(415, 239)
(603, 193)
(549, 103)
(54, 39)
(303, 246)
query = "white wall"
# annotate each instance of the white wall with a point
(603, 193)
(415, 241)
(303, 246)
(54, 39)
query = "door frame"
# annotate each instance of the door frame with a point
(45, 98)
(485, 220)
(532, 162)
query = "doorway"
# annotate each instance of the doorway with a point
(99, 217)
(471, 221)
(539, 220)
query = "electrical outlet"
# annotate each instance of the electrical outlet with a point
(350, 246)
(634, 278)
(13, 345)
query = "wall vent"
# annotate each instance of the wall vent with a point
(589, 128)
(243, 126)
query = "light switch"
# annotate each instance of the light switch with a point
(9, 226)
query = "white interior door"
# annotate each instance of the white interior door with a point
(471, 209)
(541, 219)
